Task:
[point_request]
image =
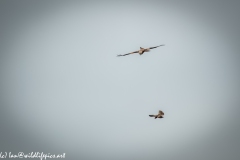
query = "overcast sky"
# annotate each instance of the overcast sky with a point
(63, 90)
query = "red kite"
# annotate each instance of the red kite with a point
(159, 115)
(141, 51)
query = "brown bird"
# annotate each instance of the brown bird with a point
(141, 51)
(159, 115)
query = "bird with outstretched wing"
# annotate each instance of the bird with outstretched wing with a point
(159, 115)
(141, 51)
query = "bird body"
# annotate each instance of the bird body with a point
(141, 51)
(159, 115)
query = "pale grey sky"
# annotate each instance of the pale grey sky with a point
(64, 90)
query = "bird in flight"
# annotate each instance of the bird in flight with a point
(141, 51)
(159, 115)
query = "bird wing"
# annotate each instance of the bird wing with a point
(161, 112)
(127, 53)
(123, 54)
(155, 47)
(152, 115)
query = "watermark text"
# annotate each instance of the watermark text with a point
(40, 155)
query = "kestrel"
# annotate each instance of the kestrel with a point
(159, 115)
(141, 51)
